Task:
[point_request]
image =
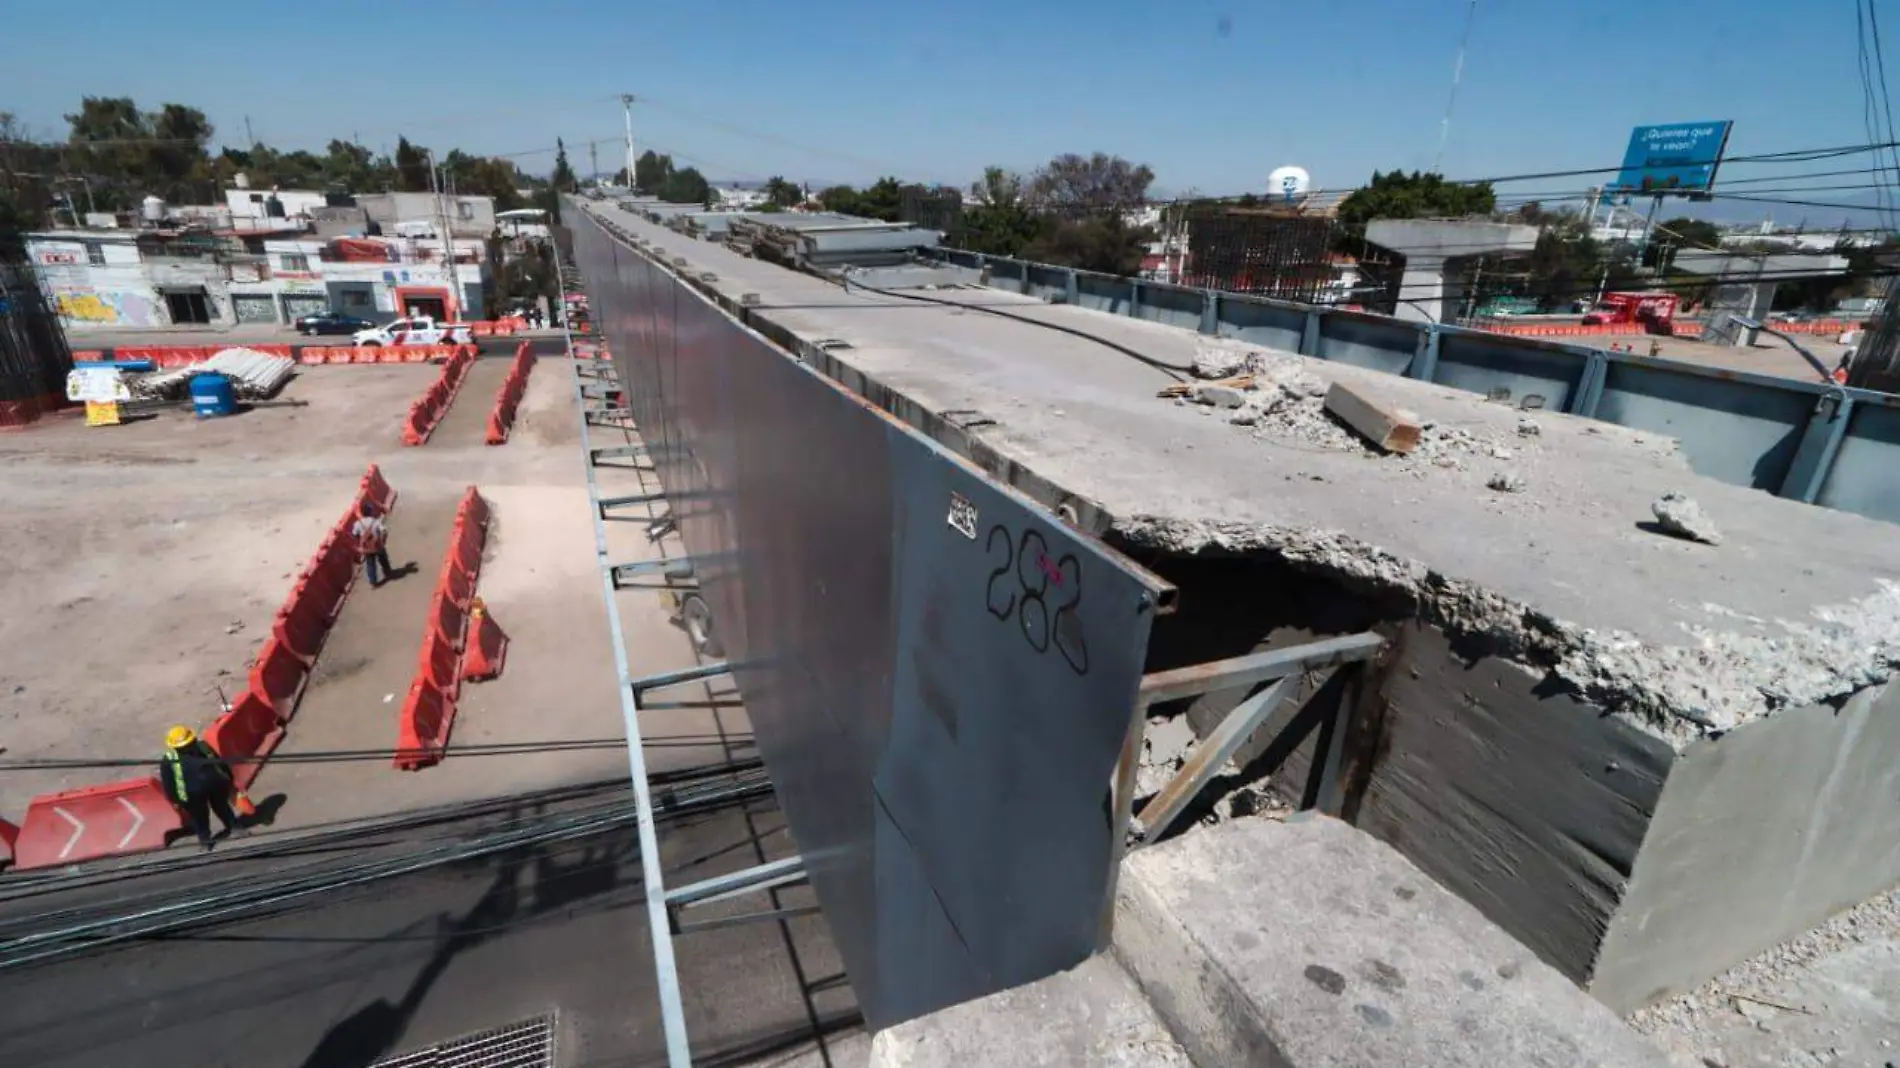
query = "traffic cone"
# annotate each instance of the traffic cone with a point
(487, 645)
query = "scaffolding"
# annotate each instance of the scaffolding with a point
(1259, 250)
(34, 356)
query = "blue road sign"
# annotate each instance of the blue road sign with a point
(1678, 158)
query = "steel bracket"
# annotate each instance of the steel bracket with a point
(681, 677)
(672, 567)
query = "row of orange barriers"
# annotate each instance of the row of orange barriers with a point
(460, 643)
(424, 414)
(508, 398)
(314, 355)
(496, 328)
(135, 815)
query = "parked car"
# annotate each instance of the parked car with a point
(415, 330)
(331, 322)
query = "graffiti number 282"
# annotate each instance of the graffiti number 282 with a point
(1039, 591)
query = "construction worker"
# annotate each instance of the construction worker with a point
(199, 781)
(371, 534)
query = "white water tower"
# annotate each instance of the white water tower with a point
(152, 210)
(1288, 183)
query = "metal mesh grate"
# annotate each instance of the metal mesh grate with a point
(529, 1044)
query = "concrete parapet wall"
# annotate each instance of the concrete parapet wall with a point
(1760, 834)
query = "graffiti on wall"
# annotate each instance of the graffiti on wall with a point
(85, 306)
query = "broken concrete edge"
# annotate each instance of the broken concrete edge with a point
(1353, 957)
(1091, 1016)
(1675, 693)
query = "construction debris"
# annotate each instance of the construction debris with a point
(1211, 362)
(1506, 482)
(1388, 428)
(254, 375)
(1681, 516)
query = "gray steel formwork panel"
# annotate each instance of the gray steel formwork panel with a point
(1172, 305)
(1260, 322)
(1482, 363)
(1103, 293)
(940, 676)
(1730, 429)
(1861, 479)
(1369, 341)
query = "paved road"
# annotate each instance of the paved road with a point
(356, 975)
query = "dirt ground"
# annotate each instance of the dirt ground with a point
(147, 561)
(1771, 357)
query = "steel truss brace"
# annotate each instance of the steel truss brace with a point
(1281, 667)
(762, 878)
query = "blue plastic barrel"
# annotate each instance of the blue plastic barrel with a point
(212, 395)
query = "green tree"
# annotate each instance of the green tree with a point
(1104, 243)
(1418, 195)
(1671, 235)
(563, 173)
(1565, 265)
(1001, 223)
(651, 171)
(412, 168)
(840, 198)
(686, 187)
(781, 193)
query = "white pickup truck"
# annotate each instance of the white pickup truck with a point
(416, 330)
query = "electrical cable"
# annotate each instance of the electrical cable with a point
(333, 837)
(1177, 373)
(195, 908)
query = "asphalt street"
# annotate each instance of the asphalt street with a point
(355, 974)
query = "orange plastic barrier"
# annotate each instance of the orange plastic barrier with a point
(130, 816)
(376, 488)
(436, 664)
(428, 411)
(9, 834)
(423, 728)
(508, 398)
(316, 355)
(487, 646)
(245, 737)
(276, 677)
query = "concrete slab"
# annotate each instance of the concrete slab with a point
(1091, 1016)
(1651, 626)
(1554, 659)
(1309, 944)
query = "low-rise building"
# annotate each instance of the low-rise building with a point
(468, 216)
(144, 279)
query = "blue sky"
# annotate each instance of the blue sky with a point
(1212, 95)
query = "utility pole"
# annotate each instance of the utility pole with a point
(626, 107)
(448, 246)
(248, 139)
(593, 156)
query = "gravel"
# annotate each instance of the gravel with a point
(1804, 1002)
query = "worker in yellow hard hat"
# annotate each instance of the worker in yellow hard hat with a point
(198, 780)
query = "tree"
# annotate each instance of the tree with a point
(1672, 234)
(840, 198)
(1000, 224)
(686, 187)
(1418, 195)
(781, 193)
(650, 172)
(1099, 184)
(412, 168)
(1565, 265)
(1104, 243)
(563, 179)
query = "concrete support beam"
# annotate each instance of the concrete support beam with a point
(1437, 249)
(1310, 945)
